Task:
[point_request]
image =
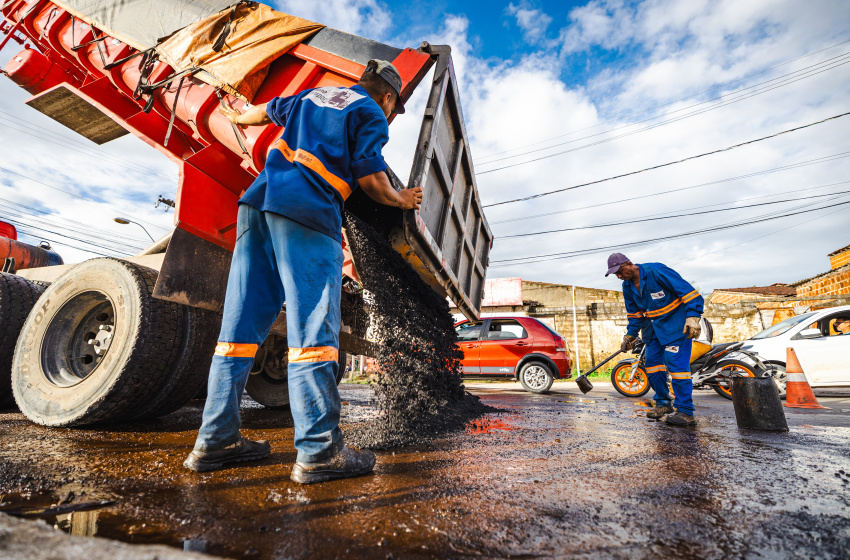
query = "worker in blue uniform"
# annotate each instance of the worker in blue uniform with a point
(667, 309)
(288, 249)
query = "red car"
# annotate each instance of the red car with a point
(518, 347)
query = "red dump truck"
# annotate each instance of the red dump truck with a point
(121, 339)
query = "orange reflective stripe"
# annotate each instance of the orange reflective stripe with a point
(634, 315)
(666, 309)
(680, 375)
(317, 354)
(653, 369)
(690, 296)
(313, 163)
(235, 349)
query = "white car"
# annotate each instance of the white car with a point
(824, 353)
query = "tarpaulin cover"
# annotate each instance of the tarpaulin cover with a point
(142, 23)
(257, 36)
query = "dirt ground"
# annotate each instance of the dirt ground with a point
(557, 475)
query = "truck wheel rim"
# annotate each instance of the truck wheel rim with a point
(78, 338)
(535, 377)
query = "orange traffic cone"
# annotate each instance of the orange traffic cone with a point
(798, 393)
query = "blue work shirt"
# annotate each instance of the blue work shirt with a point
(332, 137)
(663, 303)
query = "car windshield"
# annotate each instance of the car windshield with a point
(782, 326)
(468, 331)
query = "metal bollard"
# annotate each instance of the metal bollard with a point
(757, 404)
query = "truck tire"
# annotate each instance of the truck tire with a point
(267, 382)
(96, 347)
(191, 367)
(17, 297)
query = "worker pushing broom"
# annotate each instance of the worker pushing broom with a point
(667, 309)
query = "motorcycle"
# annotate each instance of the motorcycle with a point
(712, 365)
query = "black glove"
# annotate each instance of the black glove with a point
(628, 342)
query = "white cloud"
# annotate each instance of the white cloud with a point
(360, 17)
(532, 21)
(683, 48)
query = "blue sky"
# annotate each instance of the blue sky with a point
(543, 76)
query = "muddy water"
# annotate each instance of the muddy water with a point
(558, 475)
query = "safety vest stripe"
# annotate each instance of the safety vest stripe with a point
(680, 375)
(653, 369)
(315, 354)
(666, 309)
(235, 350)
(314, 164)
(635, 315)
(690, 296)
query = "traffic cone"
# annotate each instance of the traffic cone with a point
(798, 393)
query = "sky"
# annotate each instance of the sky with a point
(556, 95)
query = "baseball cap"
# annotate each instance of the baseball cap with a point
(389, 73)
(614, 262)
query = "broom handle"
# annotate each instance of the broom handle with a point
(605, 361)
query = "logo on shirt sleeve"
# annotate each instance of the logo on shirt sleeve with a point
(657, 295)
(333, 98)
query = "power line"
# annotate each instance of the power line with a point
(759, 237)
(17, 207)
(66, 142)
(569, 254)
(712, 88)
(652, 219)
(732, 97)
(668, 163)
(65, 244)
(14, 221)
(823, 159)
(7, 170)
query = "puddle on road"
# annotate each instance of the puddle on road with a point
(548, 479)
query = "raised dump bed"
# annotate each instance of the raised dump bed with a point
(103, 70)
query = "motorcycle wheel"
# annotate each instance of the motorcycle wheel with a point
(731, 368)
(637, 387)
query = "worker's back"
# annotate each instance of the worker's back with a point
(331, 137)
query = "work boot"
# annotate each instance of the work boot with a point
(345, 464)
(659, 411)
(241, 451)
(681, 419)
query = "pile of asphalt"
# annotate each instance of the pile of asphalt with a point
(419, 392)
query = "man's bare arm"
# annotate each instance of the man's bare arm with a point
(378, 187)
(254, 116)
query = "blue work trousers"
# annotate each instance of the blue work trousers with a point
(674, 358)
(275, 260)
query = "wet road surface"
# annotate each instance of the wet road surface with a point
(558, 475)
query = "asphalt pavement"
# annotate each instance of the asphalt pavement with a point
(562, 475)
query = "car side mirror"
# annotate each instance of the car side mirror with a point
(810, 333)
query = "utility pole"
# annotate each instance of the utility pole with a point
(575, 333)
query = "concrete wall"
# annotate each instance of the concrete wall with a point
(600, 318)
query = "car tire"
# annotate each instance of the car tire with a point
(536, 377)
(619, 378)
(777, 372)
(17, 298)
(96, 346)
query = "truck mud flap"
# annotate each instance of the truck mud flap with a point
(194, 272)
